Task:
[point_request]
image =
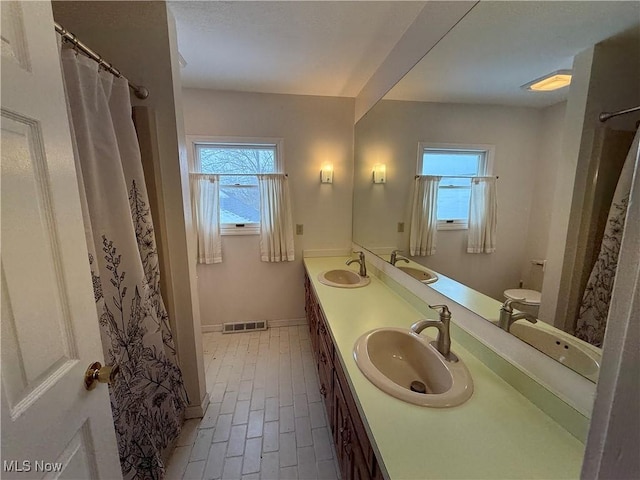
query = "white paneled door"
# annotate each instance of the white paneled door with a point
(51, 425)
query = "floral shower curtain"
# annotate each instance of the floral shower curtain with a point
(148, 396)
(594, 310)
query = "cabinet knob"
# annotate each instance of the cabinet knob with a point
(323, 391)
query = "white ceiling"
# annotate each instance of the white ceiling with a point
(332, 48)
(500, 46)
(328, 48)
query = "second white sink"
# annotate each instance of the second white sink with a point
(405, 365)
(424, 276)
(565, 349)
(343, 279)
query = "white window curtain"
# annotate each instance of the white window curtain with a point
(276, 227)
(483, 215)
(205, 201)
(424, 216)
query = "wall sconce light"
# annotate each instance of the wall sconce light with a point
(379, 173)
(326, 174)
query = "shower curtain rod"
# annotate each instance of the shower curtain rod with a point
(604, 116)
(238, 174)
(462, 176)
(140, 91)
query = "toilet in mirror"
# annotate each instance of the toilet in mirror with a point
(500, 180)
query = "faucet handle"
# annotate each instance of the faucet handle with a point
(397, 251)
(507, 304)
(443, 310)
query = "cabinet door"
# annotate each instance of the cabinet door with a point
(359, 466)
(342, 431)
(359, 430)
(353, 465)
(325, 374)
(311, 308)
(313, 331)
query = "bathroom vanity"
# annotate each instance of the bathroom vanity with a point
(497, 433)
(353, 449)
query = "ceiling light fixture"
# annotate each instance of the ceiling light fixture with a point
(550, 82)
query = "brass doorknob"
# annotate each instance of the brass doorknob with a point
(96, 373)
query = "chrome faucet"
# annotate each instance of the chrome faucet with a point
(360, 260)
(507, 317)
(395, 257)
(443, 340)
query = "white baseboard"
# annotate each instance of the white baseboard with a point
(197, 411)
(337, 252)
(211, 328)
(290, 322)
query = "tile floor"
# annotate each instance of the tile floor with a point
(266, 419)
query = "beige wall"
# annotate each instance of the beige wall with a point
(137, 38)
(390, 134)
(546, 174)
(605, 78)
(315, 130)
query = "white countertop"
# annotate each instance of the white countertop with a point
(496, 434)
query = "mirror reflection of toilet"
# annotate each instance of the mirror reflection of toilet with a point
(530, 298)
(532, 278)
(527, 297)
(526, 300)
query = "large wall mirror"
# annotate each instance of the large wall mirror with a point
(468, 109)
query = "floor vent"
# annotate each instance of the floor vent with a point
(244, 326)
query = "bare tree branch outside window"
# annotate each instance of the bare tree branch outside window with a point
(239, 198)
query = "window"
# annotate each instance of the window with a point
(456, 164)
(237, 163)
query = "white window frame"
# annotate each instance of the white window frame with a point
(194, 141)
(486, 168)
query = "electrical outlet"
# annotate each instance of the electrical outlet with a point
(299, 229)
(400, 227)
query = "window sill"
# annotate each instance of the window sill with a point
(452, 226)
(233, 231)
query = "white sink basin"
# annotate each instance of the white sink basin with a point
(395, 358)
(565, 349)
(425, 276)
(343, 279)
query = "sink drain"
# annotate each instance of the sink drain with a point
(418, 387)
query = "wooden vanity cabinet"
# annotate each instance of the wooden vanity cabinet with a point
(353, 448)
